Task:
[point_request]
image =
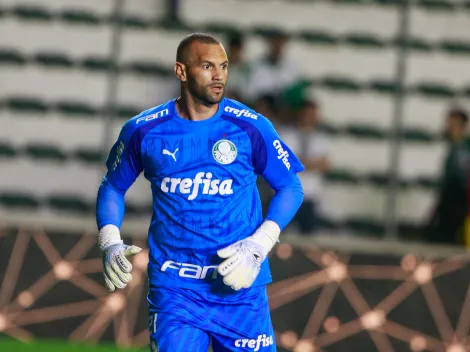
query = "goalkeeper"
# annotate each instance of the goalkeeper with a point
(207, 239)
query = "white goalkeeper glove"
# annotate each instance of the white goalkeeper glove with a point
(117, 269)
(244, 258)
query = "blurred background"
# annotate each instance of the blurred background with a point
(372, 95)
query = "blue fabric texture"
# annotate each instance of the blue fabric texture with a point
(203, 181)
(187, 320)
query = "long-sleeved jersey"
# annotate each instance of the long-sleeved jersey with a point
(203, 181)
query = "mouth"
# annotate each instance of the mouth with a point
(217, 88)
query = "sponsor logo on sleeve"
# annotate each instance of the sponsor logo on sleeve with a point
(282, 154)
(118, 158)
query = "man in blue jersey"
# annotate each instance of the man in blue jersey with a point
(207, 239)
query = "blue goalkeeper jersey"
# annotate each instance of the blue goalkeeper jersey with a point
(203, 181)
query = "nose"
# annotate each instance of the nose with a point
(218, 74)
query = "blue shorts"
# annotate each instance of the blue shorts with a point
(182, 320)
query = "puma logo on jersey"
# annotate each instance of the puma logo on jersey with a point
(191, 187)
(283, 154)
(167, 152)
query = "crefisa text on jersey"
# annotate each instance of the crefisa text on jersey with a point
(242, 112)
(283, 154)
(191, 186)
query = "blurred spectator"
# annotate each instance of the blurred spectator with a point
(448, 216)
(267, 106)
(272, 74)
(239, 69)
(311, 146)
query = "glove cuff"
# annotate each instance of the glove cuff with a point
(109, 235)
(267, 234)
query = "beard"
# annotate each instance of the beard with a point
(203, 93)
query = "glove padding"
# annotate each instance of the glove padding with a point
(243, 263)
(117, 269)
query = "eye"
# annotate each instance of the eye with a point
(206, 66)
(224, 67)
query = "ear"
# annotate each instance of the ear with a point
(180, 71)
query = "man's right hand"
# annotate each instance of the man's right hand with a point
(117, 269)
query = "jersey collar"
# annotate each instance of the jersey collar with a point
(178, 118)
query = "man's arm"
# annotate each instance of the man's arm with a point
(123, 167)
(279, 167)
(285, 203)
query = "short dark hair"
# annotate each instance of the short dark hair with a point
(182, 51)
(459, 113)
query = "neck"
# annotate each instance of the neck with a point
(191, 108)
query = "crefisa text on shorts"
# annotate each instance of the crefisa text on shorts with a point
(255, 344)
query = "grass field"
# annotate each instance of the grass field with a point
(7, 345)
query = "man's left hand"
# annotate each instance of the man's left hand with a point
(243, 263)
